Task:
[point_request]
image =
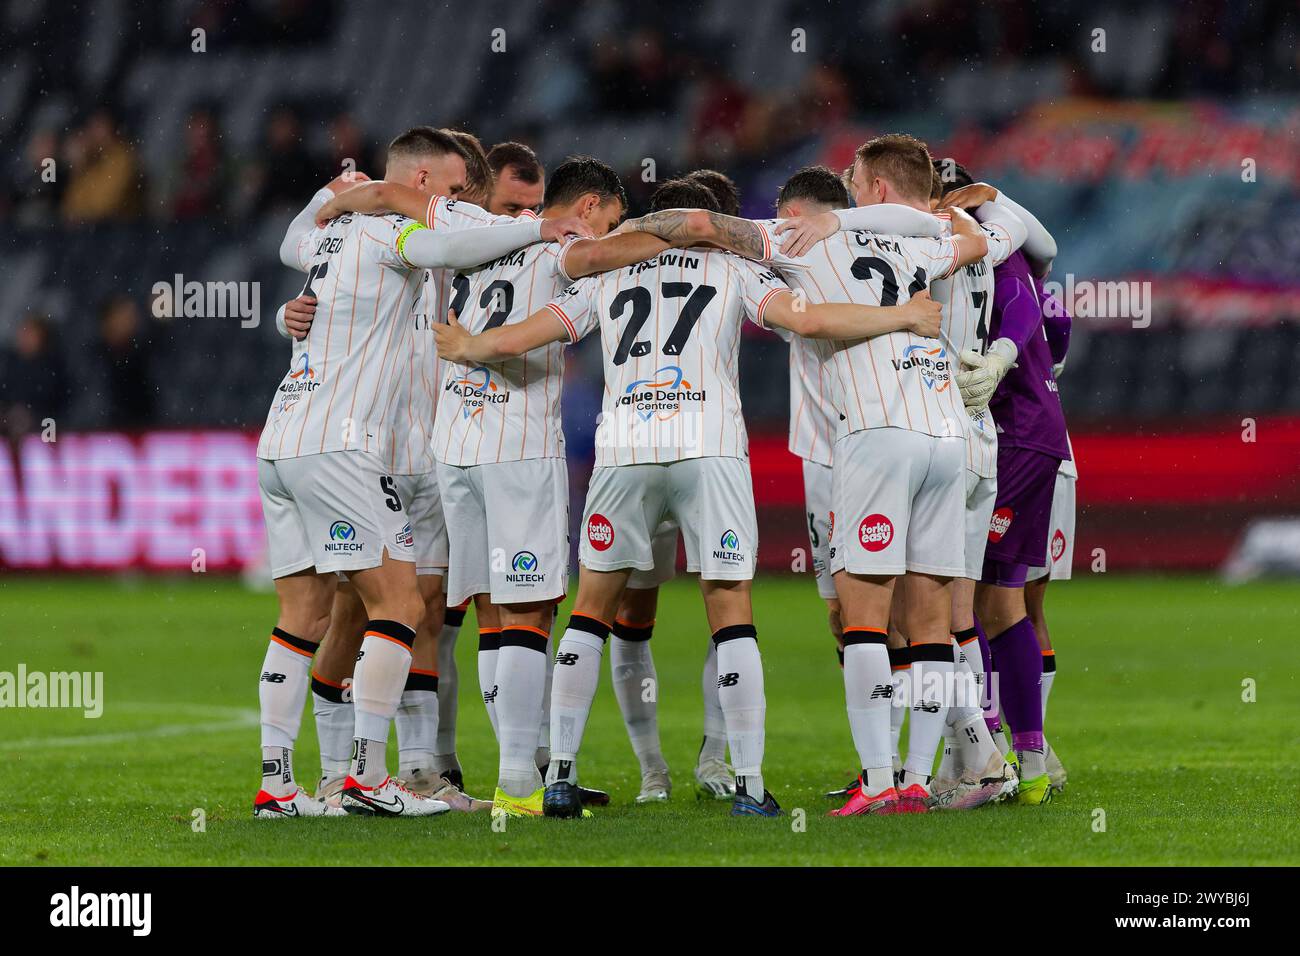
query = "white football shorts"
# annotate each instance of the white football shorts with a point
(817, 499)
(507, 530)
(981, 493)
(899, 503)
(423, 503)
(711, 500)
(334, 511)
(1060, 537)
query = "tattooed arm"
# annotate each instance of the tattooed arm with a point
(684, 227)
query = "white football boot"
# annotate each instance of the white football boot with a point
(388, 799)
(298, 804)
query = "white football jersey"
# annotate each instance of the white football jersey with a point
(510, 410)
(670, 334)
(415, 407)
(967, 301)
(344, 377)
(896, 380)
(812, 412)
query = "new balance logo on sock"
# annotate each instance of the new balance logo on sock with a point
(568, 658)
(728, 680)
(491, 695)
(882, 690)
(272, 678)
(929, 706)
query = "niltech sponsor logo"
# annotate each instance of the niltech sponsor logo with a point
(524, 569)
(343, 537)
(729, 548)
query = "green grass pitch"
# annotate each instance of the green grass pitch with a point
(1147, 714)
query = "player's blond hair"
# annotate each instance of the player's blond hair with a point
(901, 160)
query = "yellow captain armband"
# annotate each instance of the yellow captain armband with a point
(402, 236)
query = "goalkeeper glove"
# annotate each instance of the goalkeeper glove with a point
(983, 372)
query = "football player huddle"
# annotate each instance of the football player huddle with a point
(413, 462)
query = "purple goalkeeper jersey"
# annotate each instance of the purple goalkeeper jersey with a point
(1026, 405)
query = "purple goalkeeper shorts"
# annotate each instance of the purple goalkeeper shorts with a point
(1022, 516)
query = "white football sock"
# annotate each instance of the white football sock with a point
(636, 686)
(282, 692)
(932, 669)
(973, 745)
(377, 683)
(1049, 677)
(282, 688)
(577, 674)
(417, 723)
(444, 747)
(714, 745)
(867, 695)
(332, 707)
(520, 680)
(543, 755)
(900, 679)
(489, 645)
(277, 771)
(744, 707)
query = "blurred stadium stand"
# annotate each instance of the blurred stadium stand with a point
(171, 161)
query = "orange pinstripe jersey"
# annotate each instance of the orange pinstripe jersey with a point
(504, 411)
(344, 377)
(896, 380)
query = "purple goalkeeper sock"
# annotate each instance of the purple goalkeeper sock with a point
(1019, 663)
(992, 719)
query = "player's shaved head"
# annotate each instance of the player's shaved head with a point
(579, 175)
(722, 186)
(478, 175)
(901, 161)
(814, 184)
(949, 175)
(684, 193)
(422, 142)
(430, 160)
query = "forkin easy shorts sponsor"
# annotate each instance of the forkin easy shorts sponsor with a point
(981, 493)
(1017, 536)
(664, 548)
(1060, 533)
(817, 500)
(507, 530)
(710, 499)
(899, 503)
(335, 511)
(423, 503)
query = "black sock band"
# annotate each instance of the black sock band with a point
(394, 631)
(930, 653)
(964, 637)
(489, 639)
(455, 617)
(588, 625)
(1049, 663)
(863, 635)
(532, 638)
(418, 681)
(734, 632)
(629, 632)
(328, 691)
(899, 657)
(285, 639)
